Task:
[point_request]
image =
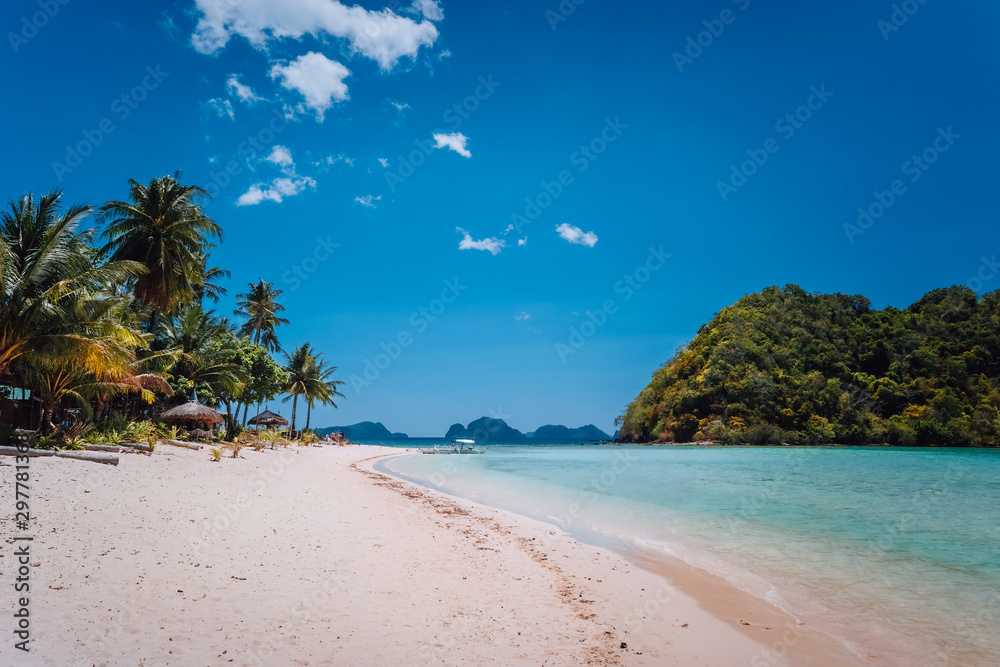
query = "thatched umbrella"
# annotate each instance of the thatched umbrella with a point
(267, 418)
(192, 411)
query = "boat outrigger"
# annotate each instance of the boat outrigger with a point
(458, 446)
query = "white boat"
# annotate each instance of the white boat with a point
(458, 446)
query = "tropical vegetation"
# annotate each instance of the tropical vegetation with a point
(784, 366)
(104, 320)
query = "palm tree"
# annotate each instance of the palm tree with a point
(164, 228)
(205, 349)
(303, 379)
(206, 282)
(325, 390)
(260, 308)
(47, 281)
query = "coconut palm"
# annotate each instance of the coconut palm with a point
(260, 308)
(206, 282)
(303, 379)
(47, 282)
(324, 391)
(164, 228)
(205, 349)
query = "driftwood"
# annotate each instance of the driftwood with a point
(115, 449)
(93, 457)
(137, 446)
(181, 443)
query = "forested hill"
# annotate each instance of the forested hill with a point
(786, 366)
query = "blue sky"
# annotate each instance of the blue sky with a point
(643, 109)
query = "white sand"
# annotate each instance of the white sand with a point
(299, 557)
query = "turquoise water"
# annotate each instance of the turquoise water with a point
(894, 551)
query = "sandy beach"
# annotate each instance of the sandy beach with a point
(307, 556)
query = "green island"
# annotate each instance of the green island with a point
(783, 366)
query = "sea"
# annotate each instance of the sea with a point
(893, 551)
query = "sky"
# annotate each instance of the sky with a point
(522, 209)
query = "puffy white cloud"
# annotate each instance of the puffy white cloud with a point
(383, 161)
(523, 241)
(382, 35)
(368, 200)
(319, 80)
(522, 316)
(400, 106)
(429, 9)
(577, 235)
(245, 93)
(276, 191)
(222, 107)
(455, 141)
(331, 160)
(492, 245)
(281, 156)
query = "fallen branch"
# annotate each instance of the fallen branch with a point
(63, 454)
(180, 443)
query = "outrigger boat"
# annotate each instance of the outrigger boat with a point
(458, 446)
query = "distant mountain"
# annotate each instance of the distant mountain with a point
(555, 432)
(485, 429)
(363, 431)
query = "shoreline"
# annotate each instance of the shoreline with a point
(780, 638)
(307, 556)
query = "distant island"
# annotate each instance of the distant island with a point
(363, 431)
(487, 429)
(552, 432)
(784, 366)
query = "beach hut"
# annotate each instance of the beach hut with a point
(192, 412)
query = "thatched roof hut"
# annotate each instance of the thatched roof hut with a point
(192, 411)
(268, 418)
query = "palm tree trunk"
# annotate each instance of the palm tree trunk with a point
(309, 407)
(245, 408)
(154, 322)
(295, 400)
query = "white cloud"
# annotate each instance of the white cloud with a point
(444, 54)
(522, 316)
(400, 106)
(455, 141)
(276, 191)
(222, 107)
(577, 235)
(430, 9)
(523, 241)
(383, 161)
(319, 80)
(492, 245)
(382, 35)
(244, 92)
(368, 200)
(331, 160)
(281, 156)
